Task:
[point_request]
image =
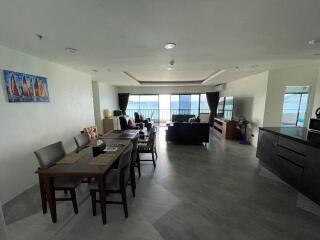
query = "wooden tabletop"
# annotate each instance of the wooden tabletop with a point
(81, 167)
(126, 134)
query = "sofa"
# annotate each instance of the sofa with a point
(188, 133)
(181, 117)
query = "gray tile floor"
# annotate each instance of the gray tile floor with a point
(196, 192)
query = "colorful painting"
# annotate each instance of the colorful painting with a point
(25, 88)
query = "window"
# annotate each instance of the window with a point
(204, 107)
(160, 108)
(184, 104)
(295, 106)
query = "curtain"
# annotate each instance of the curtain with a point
(213, 101)
(123, 102)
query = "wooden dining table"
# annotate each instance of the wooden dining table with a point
(125, 134)
(82, 168)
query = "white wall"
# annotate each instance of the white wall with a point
(316, 102)
(278, 80)
(26, 127)
(166, 89)
(249, 101)
(105, 97)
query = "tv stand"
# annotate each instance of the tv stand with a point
(224, 128)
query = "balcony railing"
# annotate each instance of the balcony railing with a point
(163, 115)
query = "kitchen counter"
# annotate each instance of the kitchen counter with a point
(298, 134)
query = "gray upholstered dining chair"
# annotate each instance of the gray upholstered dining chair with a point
(3, 227)
(82, 140)
(116, 182)
(47, 156)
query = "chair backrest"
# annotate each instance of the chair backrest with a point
(123, 123)
(50, 154)
(134, 149)
(137, 117)
(152, 137)
(82, 140)
(3, 227)
(92, 131)
(124, 165)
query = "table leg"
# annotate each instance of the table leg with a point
(102, 195)
(50, 193)
(43, 195)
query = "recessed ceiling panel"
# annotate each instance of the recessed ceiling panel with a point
(174, 75)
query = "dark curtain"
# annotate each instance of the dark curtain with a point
(123, 102)
(213, 101)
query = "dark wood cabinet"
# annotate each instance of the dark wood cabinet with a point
(295, 162)
(311, 175)
(266, 150)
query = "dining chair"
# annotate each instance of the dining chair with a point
(47, 156)
(133, 163)
(116, 182)
(148, 146)
(3, 227)
(82, 140)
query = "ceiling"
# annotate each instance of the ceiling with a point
(241, 37)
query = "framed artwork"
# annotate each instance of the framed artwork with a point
(23, 87)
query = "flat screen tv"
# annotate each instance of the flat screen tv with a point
(225, 108)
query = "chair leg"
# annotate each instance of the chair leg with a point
(138, 165)
(94, 202)
(155, 150)
(65, 192)
(133, 180)
(124, 200)
(74, 200)
(153, 160)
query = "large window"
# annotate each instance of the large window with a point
(204, 107)
(295, 106)
(160, 108)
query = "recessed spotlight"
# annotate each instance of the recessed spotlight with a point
(254, 66)
(170, 68)
(71, 50)
(237, 67)
(169, 46)
(94, 70)
(39, 36)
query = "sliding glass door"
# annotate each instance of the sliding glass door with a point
(160, 108)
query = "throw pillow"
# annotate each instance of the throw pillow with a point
(131, 123)
(141, 117)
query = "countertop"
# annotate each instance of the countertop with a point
(299, 134)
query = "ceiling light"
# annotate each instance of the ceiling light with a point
(170, 68)
(169, 46)
(71, 50)
(314, 41)
(39, 36)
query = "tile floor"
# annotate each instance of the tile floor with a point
(196, 192)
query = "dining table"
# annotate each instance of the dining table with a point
(85, 166)
(129, 134)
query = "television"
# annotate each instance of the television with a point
(225, 108)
